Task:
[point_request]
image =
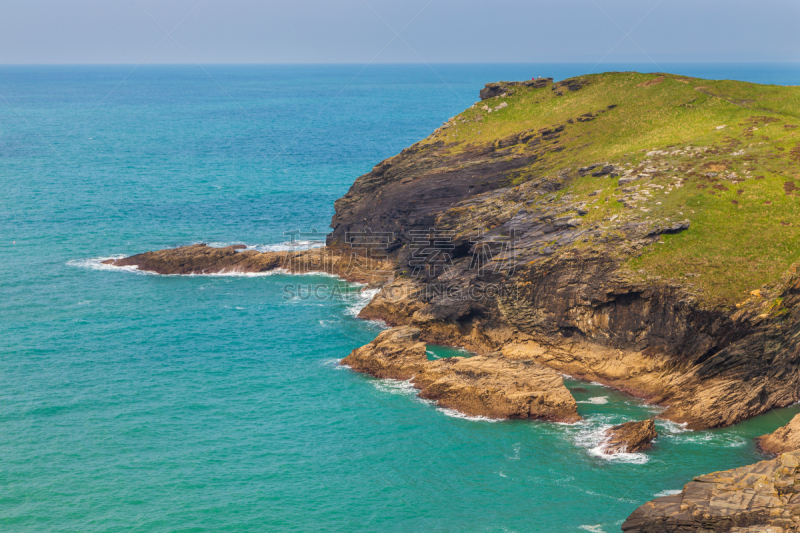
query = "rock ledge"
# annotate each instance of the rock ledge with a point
(494, 387)
(764, 497)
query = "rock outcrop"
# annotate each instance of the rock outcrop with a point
(204, 259)
(493, 387)
(763, 498)
(783, 439)
(521, 242)
(507, 87)
(629, 437)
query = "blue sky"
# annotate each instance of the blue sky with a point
(390, 31)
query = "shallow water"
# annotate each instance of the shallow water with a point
(131, 401)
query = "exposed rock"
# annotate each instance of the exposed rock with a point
(629, 437)
(624, 180)
(494, 387)
(498, 88)
(605, 171)
(783, 439)
(573, 84)
(585, 170)
(668, 229)
(395, 353)
(204, 259)
(764, 497)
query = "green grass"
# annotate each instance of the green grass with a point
(743, 234)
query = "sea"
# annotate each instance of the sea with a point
(139, 402)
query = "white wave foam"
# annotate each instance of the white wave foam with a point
(674, 427)
(360, 301)
(287, 246)
(666, 493)
(457, 414)
(594, 529)
(517, 447)
(291, 246)
(395, 386)
(235, 274)
(590, 434)
(597, 400)
(719, 439)
(97, 264)
(336, 364)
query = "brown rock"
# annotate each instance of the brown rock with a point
(764, 498)
(630, 437)
(490, 386)
(396, 353)
(783, 439)
(204, 259)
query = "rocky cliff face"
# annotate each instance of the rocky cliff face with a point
(537, 272)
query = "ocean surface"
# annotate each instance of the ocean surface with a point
(138, 402)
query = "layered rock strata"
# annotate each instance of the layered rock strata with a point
(494, 387)
(760, 498)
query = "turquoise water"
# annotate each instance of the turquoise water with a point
(136, 402)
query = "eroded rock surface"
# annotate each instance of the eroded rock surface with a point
(204, 259)
(493, 387)
(764, 498)
(783, 439)
(630, 437)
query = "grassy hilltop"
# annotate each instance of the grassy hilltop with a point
(723, 154)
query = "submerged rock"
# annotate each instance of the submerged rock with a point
(493, 387)
(629, 437)
(783, 439)
(764, 498)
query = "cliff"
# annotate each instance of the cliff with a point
(636, 230)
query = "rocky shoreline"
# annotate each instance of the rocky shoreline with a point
(508, 248)
(760, 498)
(492, 387)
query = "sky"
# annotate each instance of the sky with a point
(397, 31)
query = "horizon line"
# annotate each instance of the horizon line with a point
(242, 64)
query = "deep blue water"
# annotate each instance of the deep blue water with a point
(135, 402)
